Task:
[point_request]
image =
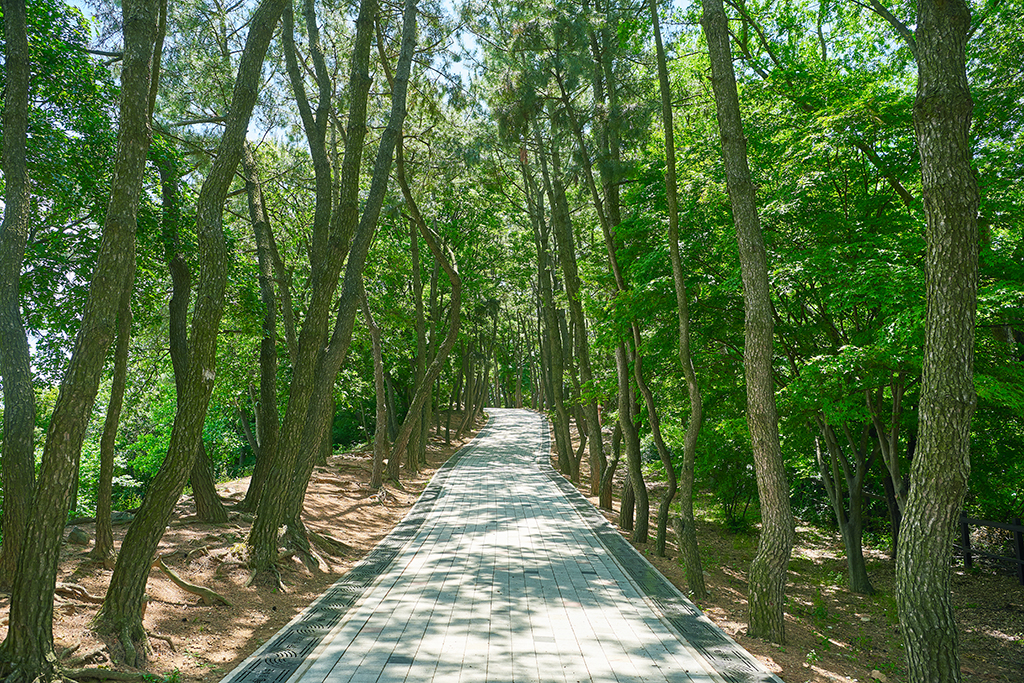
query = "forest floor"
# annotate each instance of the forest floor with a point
(195, 643)
(833, 634)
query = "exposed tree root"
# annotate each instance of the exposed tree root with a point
(331, 546)
(268, 578)
(77, 592)
(166, 639)
(103, 675)
(383, 496)
(207, 596)
(79, 660)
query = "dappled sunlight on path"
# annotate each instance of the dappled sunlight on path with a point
(499, 577)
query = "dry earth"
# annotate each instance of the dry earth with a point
(193, 642)
(833, 634)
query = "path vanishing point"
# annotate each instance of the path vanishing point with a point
(502, 572)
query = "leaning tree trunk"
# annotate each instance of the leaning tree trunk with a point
(19, 416)
(28, 653)
(103, 549)
(120, 613)
(268, 422)
(305, 405)
(767, 590)
(941, 465)
(209, 507)
(629, 432)
(686, 528)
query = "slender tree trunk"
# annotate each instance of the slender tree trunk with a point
(103, 550)
(767, 590)
(19, 417)
(304, 418)
(659, 442)
(632, 438)
(120, 613)
(27, 654)
(562, 223)
(267, 422)
(380, 433)
(941, 464)
(686, 526)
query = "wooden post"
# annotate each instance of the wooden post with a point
(965, 542)
(1018, 550)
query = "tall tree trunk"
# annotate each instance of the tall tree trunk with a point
(120, 613)
(312, 380)
(27, 653)
(267, 422)
(562, 223)
(103, 550)
(767, 589)
(19, 417)
(380, 433)
(686, 526)
(632, 438)
(941, 464)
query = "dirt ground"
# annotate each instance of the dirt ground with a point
(833, 634)
(195, 643)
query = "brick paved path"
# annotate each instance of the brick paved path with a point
(501, 573)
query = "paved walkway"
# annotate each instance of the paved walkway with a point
(502, 572)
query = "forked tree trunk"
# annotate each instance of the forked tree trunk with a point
(120, 614)
(941, 465)
(19, 417)
(380, 434)
(209, 507)
(28, 653)
(767, 588)
(317, 368)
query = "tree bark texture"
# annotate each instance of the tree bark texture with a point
(19, 417)
(268, 422)
(28, 649)
(316, 369)
(120, 613)
(103, 549)
(686, 526)
(632, 439)
(767, 587)
(941, 464)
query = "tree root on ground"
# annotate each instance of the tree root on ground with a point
(331, 546)
(76, 592)
(79, 660)
(104, 675)
(207, 596)
(383, 496)
(166, 639)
